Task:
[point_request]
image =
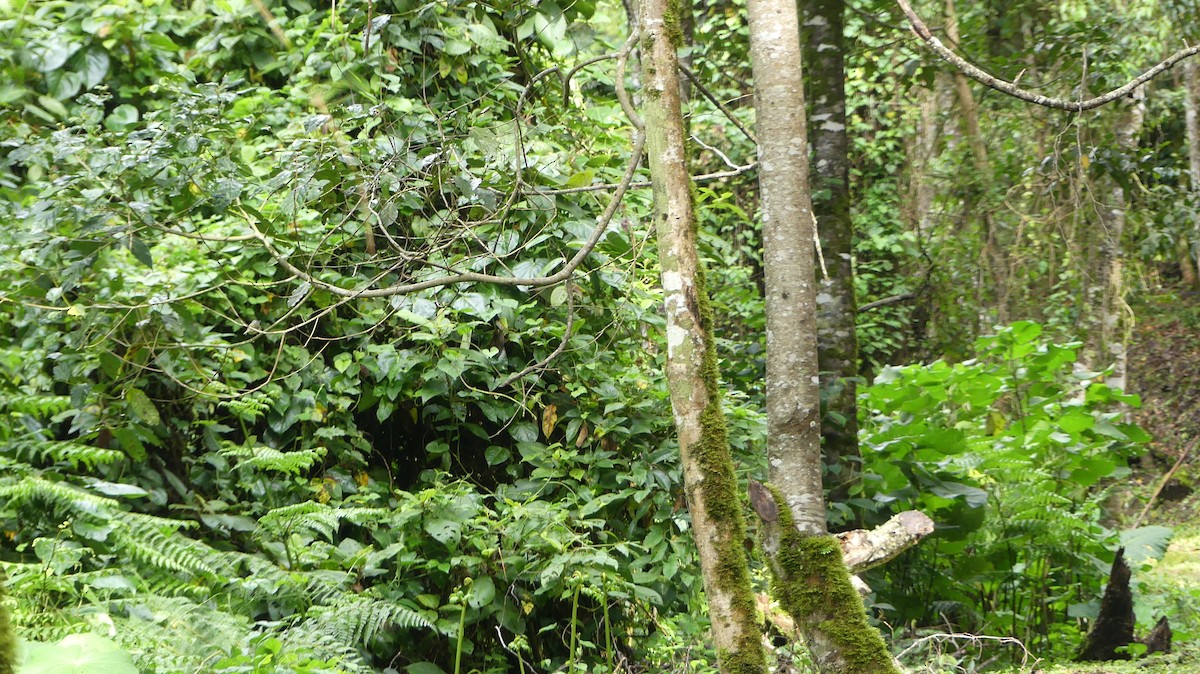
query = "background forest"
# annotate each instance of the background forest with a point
(314, 359)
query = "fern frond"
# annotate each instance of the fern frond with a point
(262, 457)
(40, 406)
(64, 496)
(58, 451)
(317, 519)
(358, 619)
(156, 541)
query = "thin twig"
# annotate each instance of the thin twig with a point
(817, 245)
(724, 157)
(687, 72)
(1165, 479)
(562, 346)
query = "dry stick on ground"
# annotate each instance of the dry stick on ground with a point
(1010, 88)
(1167, 478)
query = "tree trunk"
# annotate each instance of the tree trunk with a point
(1113, 627)
(811, 579)
(1191, 240)
(1110, 344)
(709, 479)
(976, 202)
(837, 341)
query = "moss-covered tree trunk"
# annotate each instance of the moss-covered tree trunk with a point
(709, 479)
(837, 352)
(811, 577)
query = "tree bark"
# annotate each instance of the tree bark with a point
(709, 479)
(976, 202)
(1110, 343)
(811, 580)
(1113, 628)
(823, 38)
(1190, 240)
(793, 397)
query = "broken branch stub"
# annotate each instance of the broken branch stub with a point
(861, 549)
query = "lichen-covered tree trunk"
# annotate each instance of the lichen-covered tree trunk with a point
(1190, 240)
(812, 582)
(1110, 343)
(837, 343)
(709, 479)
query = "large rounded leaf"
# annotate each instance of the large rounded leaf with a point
(76, 654)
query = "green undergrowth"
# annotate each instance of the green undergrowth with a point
(1171, 587)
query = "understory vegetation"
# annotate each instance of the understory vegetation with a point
(222, 451)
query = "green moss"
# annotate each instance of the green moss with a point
(812, 581)
(722, 494)
(672, 22)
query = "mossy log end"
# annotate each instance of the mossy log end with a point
(813, 583)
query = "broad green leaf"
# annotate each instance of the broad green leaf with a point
(582, 179)
(122, 116)
(496, 455)
(1145, 543)
(142, 407)
(483, 591)
(51, 55)
(141, 252)
(53, 106)
(77, 654)
(64, 84)
(95, 66)
(445, 531)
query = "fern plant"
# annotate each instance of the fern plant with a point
(96, 553)
(1011, 455)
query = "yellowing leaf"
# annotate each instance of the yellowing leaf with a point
(549, 419)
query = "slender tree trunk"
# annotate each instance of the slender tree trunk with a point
(1188, 257)
(812, 582)
(837, 341)
(709, 480)
(921, 149)
(1112, 343)
(993, 256)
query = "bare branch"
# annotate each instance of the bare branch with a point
(713, 99)
(703, 177)
(562, 346)
(563, 274)
(1010, 88)
(887, 300)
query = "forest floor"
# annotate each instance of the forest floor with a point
(1165, 371)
